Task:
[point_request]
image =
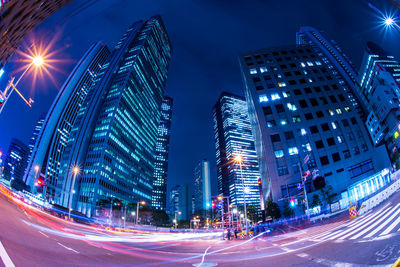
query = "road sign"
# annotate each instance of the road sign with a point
(353, 212)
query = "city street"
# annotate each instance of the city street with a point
(30, 237)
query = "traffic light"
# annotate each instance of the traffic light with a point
(40, 181)
(292, 204)
(219, 198)
(319, 182)
(213, 204)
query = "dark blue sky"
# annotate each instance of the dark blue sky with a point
(206, 36)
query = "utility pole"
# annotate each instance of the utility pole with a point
(303, 178)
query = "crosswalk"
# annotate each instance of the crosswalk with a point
(372, 225)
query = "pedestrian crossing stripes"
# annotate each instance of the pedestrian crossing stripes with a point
(372, 225)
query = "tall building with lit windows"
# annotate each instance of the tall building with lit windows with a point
(114, 138)
(159, 197)
(379, 80)
(202, 188)
(233, 136)
(15, 160)
(302, 116)
(52, 135)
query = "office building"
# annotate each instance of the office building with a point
(302, 117)
(159, 197)
(56, 127)
(202, 188)
(181, 202)
(379, 80)
(35, 134)
(15, 160)
(233, 137)
(114, 137)
(19, 18)
(337, 61)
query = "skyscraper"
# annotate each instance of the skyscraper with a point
(181, 202)
(379, 80)
(337, 61)
(159, 197)
(302, 117)
(35, 134)
(114, 137)
(19, 18)
(15, 160)
(57, 126)
(202, 188)
(233, 136)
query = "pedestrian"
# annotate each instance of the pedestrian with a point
(236, 232)
(228, 234)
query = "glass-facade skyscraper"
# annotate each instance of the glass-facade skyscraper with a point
(15, 160)
(302, 116)
(159, 197)
(53, 135)
(233, 136)
(202, 188)
(114, 138)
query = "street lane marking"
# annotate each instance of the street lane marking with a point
(383, 224)
(68, 248)
(202, 258)
(43, 234)
(391, 227)
(4, 256)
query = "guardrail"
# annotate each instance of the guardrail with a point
(380, 197)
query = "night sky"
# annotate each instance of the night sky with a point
(206, 37)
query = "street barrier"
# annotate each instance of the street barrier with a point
(380, 197)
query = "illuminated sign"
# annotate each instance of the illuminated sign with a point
(1, 72)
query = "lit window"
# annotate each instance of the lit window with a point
(310, 80)
(263, 98)
(279, 75)
(302, 64)
(278, 154)
(263, 69)
(286, 94)
(293, 151)
(318, 63)
(340, 139)
(347, 109)
(309, 63)
(396, 134)
(281, 84)
(253, 71)
(296, 119)
(283, 121)
(275, 96)
(291, 107)
(305, 72)
(306, 147)
(331, 112)
(338, 111)
(303, 131)
(333, 125)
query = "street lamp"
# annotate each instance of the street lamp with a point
(137, 210)
(36, 61)
(75, 172)
(176, 220)
(239, 160)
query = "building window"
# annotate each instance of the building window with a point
(263, 69)
(353, 120)
(341, 97)
(279, 108)
(308, 116)
(291, 107)
(338, 111)
(275, 96)
(313, 102)
(364, 147)
(308, 90)
(347, 109)
(323, 99)
(283, 121)
(306, 147)
(303, 103)
(324, 160)
(297, 92)
(278, 154)
(334, 126)
(340, 139)
(263, 98)
(330, 141)
(319, 144)
(361, 168)
(259, 87)
(320, 114)
(267, 110)
(286, 94)
(293, 151)
(330, 112)
(314, 129)
(325, 127)
(346, 154)
(281, 84)
(317, 89)
(356, 150)
(271, 123)
(303, 132)
(282, 171)
(253, 71)
(333, 99)
(296, 119)
(275, 138)
(289, 135)
(345, 122)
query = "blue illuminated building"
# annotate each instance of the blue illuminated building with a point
(233, 136)
(114, 138)
(202, 188)
(52, 133)
(159, 197)
(15, 160)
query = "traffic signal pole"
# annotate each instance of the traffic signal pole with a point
(303, 178)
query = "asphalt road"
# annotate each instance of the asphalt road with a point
(30, 237)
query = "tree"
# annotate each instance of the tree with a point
(327, 194)
(272, 209)
(316, 201)
(160, 218)
(288, 212)
(253, 213)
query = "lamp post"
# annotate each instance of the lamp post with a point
(176, 220)
(75, 171)
(239, 159)
(137, 210)
(11, 87)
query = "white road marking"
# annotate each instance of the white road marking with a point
(303, 255)
(391, 227)
(383, 224)
(202, 258)
(68, 248)
(4, 256)
(43, 234)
